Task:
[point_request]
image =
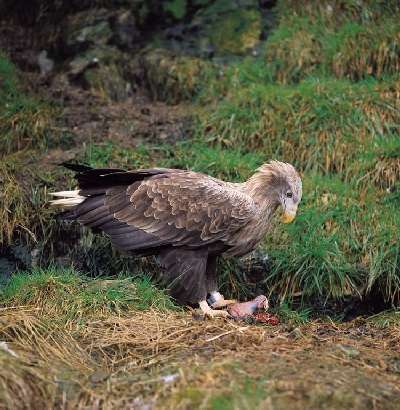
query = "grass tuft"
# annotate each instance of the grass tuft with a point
(68, 295)
(25, 122)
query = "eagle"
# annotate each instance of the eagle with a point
(185, 219)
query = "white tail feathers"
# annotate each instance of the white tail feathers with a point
(70, 198)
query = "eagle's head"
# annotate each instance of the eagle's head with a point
(278, 183)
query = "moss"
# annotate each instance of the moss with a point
(236, 32)
(173, 78)
(177, 8)
(107, 82)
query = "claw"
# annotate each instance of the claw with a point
(217, 300)
(211, 312)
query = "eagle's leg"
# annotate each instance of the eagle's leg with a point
(218, 301)
(205, 308)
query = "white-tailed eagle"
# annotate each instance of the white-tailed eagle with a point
(187, 219)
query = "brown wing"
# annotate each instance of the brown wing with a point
(182, 208)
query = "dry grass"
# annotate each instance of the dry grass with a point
(24, 212)
(347, 39)
(65, 345)
(367, 51)
(160, 359)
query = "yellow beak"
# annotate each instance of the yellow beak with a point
(287, 218)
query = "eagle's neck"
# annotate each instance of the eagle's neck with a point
(263, 190)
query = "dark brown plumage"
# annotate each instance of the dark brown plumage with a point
(186, 219)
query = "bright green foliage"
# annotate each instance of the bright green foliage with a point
(72, 295)
(293, 317)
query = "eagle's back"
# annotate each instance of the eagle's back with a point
(146, 211)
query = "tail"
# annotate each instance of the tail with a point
(68, 199)
(87, 177)
(94, 182)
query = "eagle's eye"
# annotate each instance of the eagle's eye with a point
(289, 194)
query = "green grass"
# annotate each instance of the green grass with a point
(246, 395)
(196, 155)
(344, 137)
(73, 295)
(346, 39)
(24, 121)
(386, 319)
(331, 250)
(291, 316)
(332, 117)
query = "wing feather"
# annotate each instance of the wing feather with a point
(183, 208)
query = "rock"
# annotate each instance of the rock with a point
(98, 56)
(46, 64)
(238, 32)
(125, 32)
(101, 70)
(296, 334)
(99, 376)
(107, 81)
(394, 365)
(229, 27)
(87, 28)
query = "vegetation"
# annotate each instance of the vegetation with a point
(346, 39)
(25, 129)
(70, 295)
(24, 121)
(82, 326)
(70, 341)
(330, 112)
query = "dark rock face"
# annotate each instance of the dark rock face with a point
(87, 29)
(112, 48)
(126, 34)
(94, 40)
(13, 258)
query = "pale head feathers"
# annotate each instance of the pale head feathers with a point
(274, 179)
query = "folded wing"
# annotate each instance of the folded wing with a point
(162, 208)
